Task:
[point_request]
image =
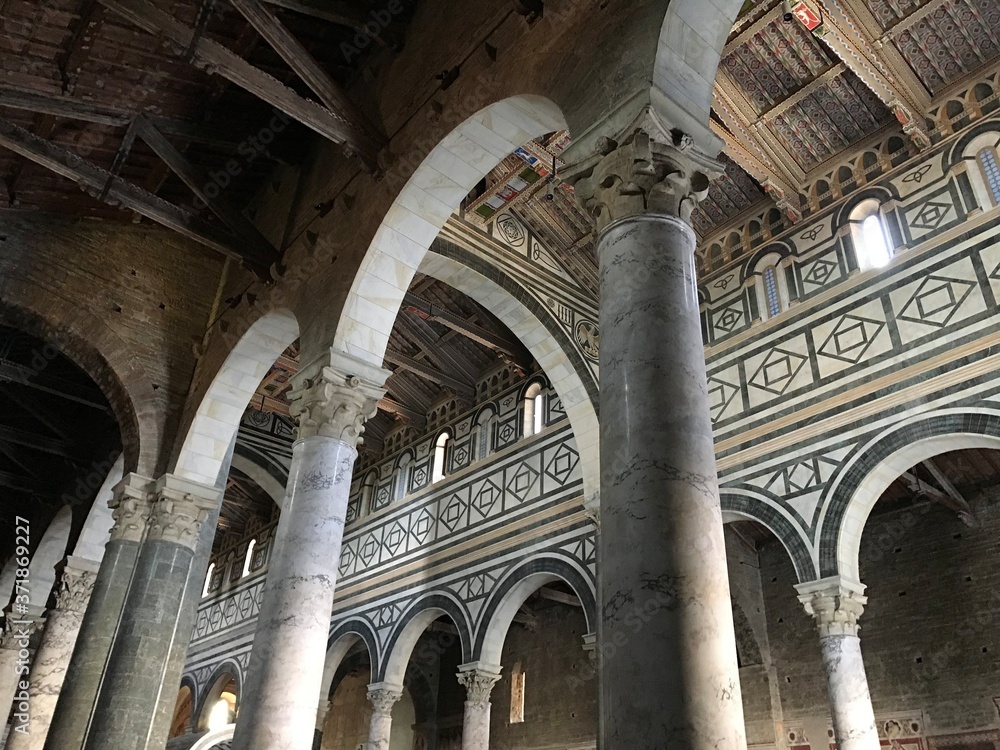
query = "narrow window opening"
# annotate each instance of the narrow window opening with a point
(517, 695)
(249, 558)
(208, 580)
(875, 248)
(533, 410)
(991, 169)
(771, 292)
(440, 453)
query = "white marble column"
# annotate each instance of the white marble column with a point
(668, 672)
(17, 649)
(383, 697)
(331, 398)
(48, 670)
(478, 681)
(836, 604)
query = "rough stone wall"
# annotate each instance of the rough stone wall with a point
(126, 302)
(929, 634)
(560, 695)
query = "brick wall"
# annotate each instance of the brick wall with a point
(929, 633)
(126, 302)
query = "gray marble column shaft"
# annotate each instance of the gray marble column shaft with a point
(836, 605)
(74, 709)
(383, 698)
(48, 670)
(478, 682)
(17, 650)
(331, 400)
(134, 703)
(668, 671)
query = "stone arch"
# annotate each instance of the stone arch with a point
(50, 550)
(96, 529)
(751, 504)
(510, 593)
(872, 467)
(547, 342)
(417, 618)
(214, 425)
(433, 192)
(263, 476)
(343, 638)
(228, 670)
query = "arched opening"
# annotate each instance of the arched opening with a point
(534, 410)
(485, 424)
(248, 559)
(871, 239)
(440, 456)
(183, 711)
(207, 587)
(221, 703)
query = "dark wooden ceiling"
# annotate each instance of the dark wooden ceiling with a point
(58, 437)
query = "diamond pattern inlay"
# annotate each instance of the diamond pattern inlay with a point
(936, 300)
(851, 338)
(777, 371)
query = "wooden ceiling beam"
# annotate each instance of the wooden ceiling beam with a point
(340, 13)
(32, 485)
(221, 61)
(435, 347)
(425, 371)
(116, 117)
(88, 27)
(36, 442)
(12, 372)
(298, 58)
(250, 238)
(93, 180)
(427, 311)
(414, 417)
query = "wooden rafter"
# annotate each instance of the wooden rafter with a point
(249, 237)
(422, 369)
(298, 58)
(219, 60)
(94, 179)
(509, 346)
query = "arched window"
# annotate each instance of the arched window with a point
(871, 241)
(534, 410)
(484, 433)
(367, 495)
(982, 164)
(440, 454)
(401, 477)
(987, 158)
(771, 292)
(249, 558)
(208, 579)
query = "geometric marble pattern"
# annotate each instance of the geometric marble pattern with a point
(936, 300)
(851, 338)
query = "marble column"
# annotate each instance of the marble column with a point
(836, 604)
(17, 649)
(668, 673)
(48, 670)
(131, 503)
(134, 705)
(478, 681)
(383, 697)
(331, 398)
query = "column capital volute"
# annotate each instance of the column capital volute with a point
(836, 603)
(383, 697)
(181, 507)
(478, 679)
(131, 502)
(646, 168)
(77, 576)
(335, 395)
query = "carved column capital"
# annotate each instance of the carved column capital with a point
(335, 396)
(835, 603)
(180, 509)
(647, 168)
(478, 681)
(130, 507)
(76, 584)
(383, 697)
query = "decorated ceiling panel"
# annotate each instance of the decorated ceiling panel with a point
(829, 119)
(728, 197)
(775, 62)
